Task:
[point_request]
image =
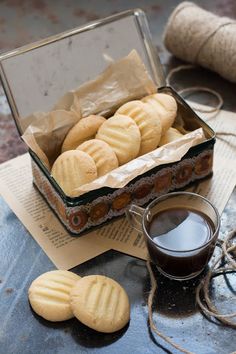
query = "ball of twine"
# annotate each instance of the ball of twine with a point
(200, 37)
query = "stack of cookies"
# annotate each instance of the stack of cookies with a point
(96, 146)
(97, 301)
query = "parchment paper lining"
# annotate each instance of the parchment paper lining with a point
(168, 153)
(122, 81)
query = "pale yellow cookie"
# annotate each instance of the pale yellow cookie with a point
(100, 303)
(166, 108)
(85, 129)
(72, 169)
(123, 136)
(147, 121)
(49, 294)
(102, 154)
(172, 134)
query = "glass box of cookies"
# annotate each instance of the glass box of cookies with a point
(103, 128)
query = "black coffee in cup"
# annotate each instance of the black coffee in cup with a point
(179, 235)
(180, 230)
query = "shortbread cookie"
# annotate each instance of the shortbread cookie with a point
(102, 154)
(72, 169)
(49, 294)
(147, 121)
(166, 108)
(123, 136)
(85, 129)
(100, 303)
(172, 134)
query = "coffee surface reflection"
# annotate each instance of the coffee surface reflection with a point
(180, 229)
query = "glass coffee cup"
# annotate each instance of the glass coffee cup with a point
(181, 230)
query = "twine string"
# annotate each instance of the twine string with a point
(208, 308)
(196, 89)
(150, 312)
(212, 53)
(203, 299)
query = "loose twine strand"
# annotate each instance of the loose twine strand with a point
(150, 312)
(203, 288)
(228, 252)
(201, 49)
(209, 309)
(197, 89)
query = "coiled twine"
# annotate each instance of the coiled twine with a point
(200, 37)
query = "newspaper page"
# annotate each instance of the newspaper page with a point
(64, 250)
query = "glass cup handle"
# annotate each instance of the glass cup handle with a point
(134, 215)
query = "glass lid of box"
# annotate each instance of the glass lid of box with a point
(37, 75)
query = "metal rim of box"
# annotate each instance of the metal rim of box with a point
(75, 213)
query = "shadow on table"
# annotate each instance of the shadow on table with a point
(89, 338)
(82, 334)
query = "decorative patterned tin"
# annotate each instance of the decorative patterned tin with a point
(112, 37)
(103, 208)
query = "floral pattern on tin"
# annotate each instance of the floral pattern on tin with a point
(77, 220)
(142, 191)
(183, 173)
(121, 200)
(98, 211)
(163, 181)
(203, 163)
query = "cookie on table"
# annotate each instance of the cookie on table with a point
(172, 134)
(72, 169)
(85, 129)
(100, 303)
(147, 121)
(123, 136)
(49, 295)
(104, 157)
(165, 106)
